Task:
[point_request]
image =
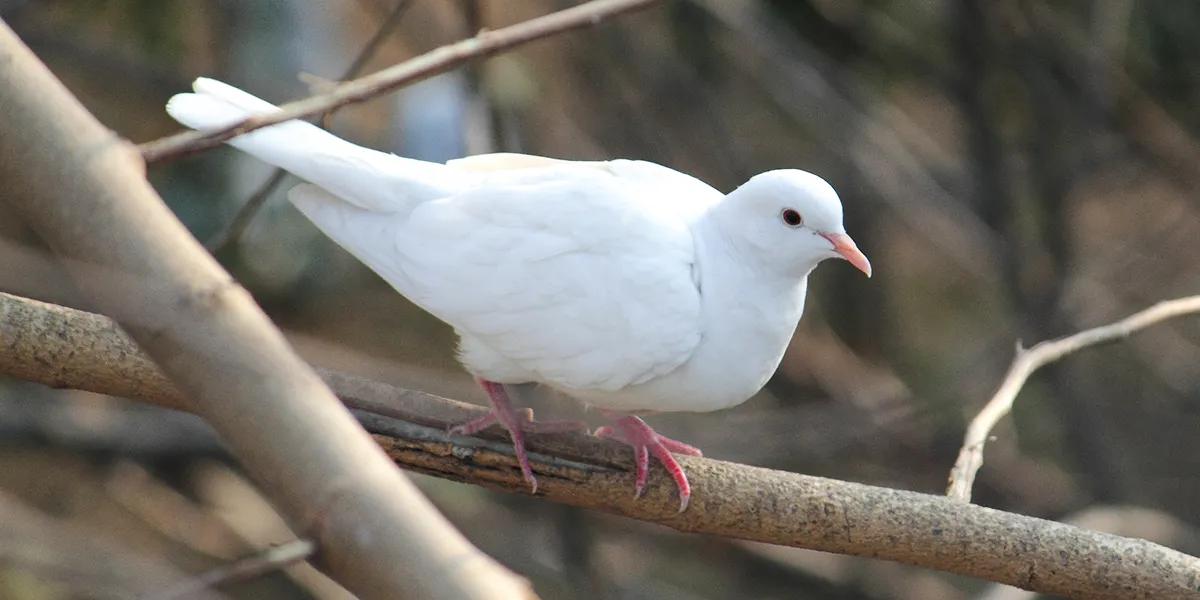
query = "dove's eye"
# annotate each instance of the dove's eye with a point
(791, 217)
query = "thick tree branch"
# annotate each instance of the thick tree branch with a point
(61, 346)
(84, 191)
(970, 457)
(431, 63)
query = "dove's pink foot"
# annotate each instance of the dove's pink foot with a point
(517, 423)
(645, 441)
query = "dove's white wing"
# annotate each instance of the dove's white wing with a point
(687, 196)
(576, 274)
(564, 274)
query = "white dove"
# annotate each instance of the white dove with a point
(624, 284)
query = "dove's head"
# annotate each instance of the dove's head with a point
(791, 220)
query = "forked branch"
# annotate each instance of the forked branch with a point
(970, 457)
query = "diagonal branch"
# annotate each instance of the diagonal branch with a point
(233, 230)
(369, 49)
(442, 59)
(271, 559)
(84, 191)
(65, 347)
(970, 457)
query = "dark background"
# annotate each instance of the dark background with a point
(1016, 170)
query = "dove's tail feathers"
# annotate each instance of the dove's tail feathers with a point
(231, 95)
(366, 234)
(215, 105)
(368, 179)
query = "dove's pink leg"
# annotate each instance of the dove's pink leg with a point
(645, 441)
(516, 423)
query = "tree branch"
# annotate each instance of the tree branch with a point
(271, 559)
(389, 24)
(60, 346)
(970, 457)
(442, 59)
(84, 191)
(232, 231)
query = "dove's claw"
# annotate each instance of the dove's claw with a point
(524, 419)
(563, 426)
(517, 423)
(502, 413)
(679, 447)
(475, 425)
(642, 457)
(644, 440)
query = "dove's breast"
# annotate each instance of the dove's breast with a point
(747, 322)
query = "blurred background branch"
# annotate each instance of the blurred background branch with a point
(233, 229)
(274, 558)
(486, 43)
(1026, 361)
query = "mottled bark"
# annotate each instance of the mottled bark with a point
(728, 499)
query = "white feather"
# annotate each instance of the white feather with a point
(623, 283)
(367, 178)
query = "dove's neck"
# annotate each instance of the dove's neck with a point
(749, 316)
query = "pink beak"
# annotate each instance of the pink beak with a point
(843, 245)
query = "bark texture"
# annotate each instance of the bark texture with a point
(56, 346)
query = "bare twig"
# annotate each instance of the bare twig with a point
(369, 49)
(236, 226)
(442, 59)
(970, 457)
(84, 191)
(61, 346)
(80, 560)
(233, 231)
(271, 559)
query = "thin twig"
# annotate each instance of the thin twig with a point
(271, 559)
(368, 51)
(65, 347)
(442, 59)
(232, 232)
(970, 457)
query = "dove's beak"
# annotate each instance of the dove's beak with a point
(844, 246)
